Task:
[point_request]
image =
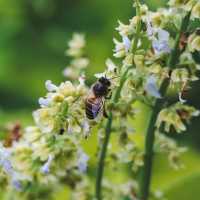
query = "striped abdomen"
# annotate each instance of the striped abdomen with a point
(93, 106)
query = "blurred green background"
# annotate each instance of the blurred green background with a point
(33, 38)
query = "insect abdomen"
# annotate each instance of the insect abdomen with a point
(92, 108)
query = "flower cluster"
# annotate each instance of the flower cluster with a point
(79, 62)
(169, 146)
(50, 152)
(175, 117)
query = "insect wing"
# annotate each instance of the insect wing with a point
(97, 106)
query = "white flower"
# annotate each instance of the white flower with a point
(194, 42)
(7, 166)
(45, 168)
(196, 11)
(44, 102)
(161, 44)
(150, 30)
(99, 75)
(158, 194)
(70, 73)
(151, 87)
(82, 161)
(45, 119)
(122, 48)
(180, 98)
(81, 80)
(123, 29)
(73, 127)
(126, 42)
(86, 128)
(76, 44)
(66, 89)
(159, 38)
(80, 63)
(110, 65)
(16, 184)
(50, 86)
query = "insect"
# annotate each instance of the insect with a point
(95, 102)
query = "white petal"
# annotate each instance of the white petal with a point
(160, 46)
(110, 65)
(45, 168)
(50, 86)
(81, 80)
(86, 127)
(163, 35)
(82, 161)
(16, 184)
(151, 87)
(150, 30)
(99, 75)
(180, 98)
(44, 102)
(7, 166)
(126, 42)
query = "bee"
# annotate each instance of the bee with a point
(95, 102)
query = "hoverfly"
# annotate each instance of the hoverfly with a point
(94, 103)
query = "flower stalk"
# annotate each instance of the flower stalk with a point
(100, 166)
(150, 135)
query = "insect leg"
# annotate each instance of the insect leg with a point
(109, 96)
(104, 111)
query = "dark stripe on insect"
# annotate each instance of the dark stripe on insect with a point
(92, 109)
(89, 112)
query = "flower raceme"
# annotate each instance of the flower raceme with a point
(51, 150)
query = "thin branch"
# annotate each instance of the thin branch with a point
(150, 136)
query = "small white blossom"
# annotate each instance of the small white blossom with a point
(16, 184)
(45, 118)
(44, 102)
(110, 65)
(50, 86)
(151, 87)
(86, 128)
(150, 30)
(99, 75)
(70, 73)
(80, 63)
(73, 127)
(7, 166)
(122, 48)
(161, 44)
(126, 42)
(160, 47)
(82, 161)
(158, 194)
(45, 168)
(81, 80)
(159, 38)
(76, 45)
(180, 98)
(123, 29)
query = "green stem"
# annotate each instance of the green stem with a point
(150, 136)
(100, 166)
